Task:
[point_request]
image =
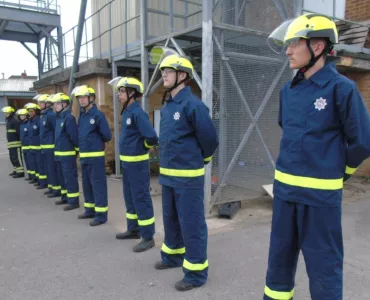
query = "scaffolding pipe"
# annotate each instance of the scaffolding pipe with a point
(81, 20)
(206, 85)
(116, 124)
(144, 51)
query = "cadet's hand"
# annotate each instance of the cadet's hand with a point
(346, 177)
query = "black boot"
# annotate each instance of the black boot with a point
(12, 174)
(48, 192)
(18, 175)
(61, 202)
(184, 286)
(33, 181)
(36, 184)
(144, 245)
(96, 223)
(71, 207)
(159, 265)
(40, 187)
(51, 195)
(28, 179)
(128, 235)
(83, 216)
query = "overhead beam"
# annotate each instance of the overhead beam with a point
(19, 36)
(32, 17)
(29, 49)
(355, 63)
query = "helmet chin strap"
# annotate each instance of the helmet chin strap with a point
(128, 100)
(300, 74)
(176, 84)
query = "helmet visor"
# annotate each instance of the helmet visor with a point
(276, 40)
(158, 53)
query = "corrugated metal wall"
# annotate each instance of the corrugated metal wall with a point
(114, 14)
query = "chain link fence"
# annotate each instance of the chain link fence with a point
(247, 78)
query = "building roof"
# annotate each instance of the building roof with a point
(16, 85)
(354, 34)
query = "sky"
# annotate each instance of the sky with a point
(14, 58)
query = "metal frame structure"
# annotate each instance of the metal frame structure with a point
(33, 21)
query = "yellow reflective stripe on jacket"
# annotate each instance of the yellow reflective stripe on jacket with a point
(63, 192)
(136, 158)
(35, 147)
(146, 222)
(146, 145)
(195, 267)
(182, 173)
(37, 175)
(31, 172)
(77, 149)
(12, 130)
(43, 177)
(89, 205)
(309, 182)
(131, 216)
(350, 170)
(14, 143)
(101, 209)
(72, 195)
(208, 159)
(167, 250)
(64, 153)
(279, 295)
(26, 148)
(91, 154)
(56, 187)
(47, 146)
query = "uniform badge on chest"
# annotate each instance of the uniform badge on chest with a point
(176, 116)
(34, 127)
(128, 121)
(92, 121)
(44, 123)
(61, 125)
(320, 103)
(25, 129)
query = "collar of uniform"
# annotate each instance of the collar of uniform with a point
(181, 95)
(132, 106)
(92, 110)
(322, 77)
(43, 112)
(65, 113)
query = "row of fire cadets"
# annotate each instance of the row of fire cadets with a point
(51, 140)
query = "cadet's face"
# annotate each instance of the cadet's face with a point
(122, 95)
(23, 117)
(32, 112)
(42, 105)
(7, 115)
(298, 54)
(83, 100)
(58, 106)
(169, 77)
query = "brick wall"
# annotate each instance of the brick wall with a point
(357, 10)
(363, 83)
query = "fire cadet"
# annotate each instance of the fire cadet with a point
(14, 142)
(187, 142)
(66, 145)
(34, 140)
(47, 134)
(94, 132)
(326, 136)
(23, 117)
(137, 137)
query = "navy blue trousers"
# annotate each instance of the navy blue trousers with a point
(136, 191)
(32, 161)
(40, 161)
(51, 172)
(317, 231)
(94, 184)
(67, 174)
(186, 233)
